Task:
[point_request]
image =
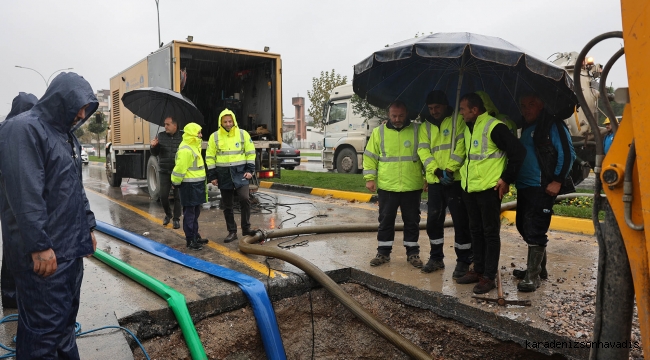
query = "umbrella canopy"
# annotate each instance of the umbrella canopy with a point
(409, 70)
(154, 104)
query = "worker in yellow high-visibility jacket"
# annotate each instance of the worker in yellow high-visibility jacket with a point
(189, 176)
(442, 167)
(391, 167)
(231, 163)
(493, 159)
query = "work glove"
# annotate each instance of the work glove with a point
(446, 179)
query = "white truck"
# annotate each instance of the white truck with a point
(346, 133)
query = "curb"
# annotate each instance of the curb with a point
(559, 223)
(303, 159)
(337, 194)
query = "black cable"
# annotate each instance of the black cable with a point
(274, 204)
(603, 89)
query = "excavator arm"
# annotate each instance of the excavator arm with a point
(624, 177)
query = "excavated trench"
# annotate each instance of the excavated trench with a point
(315, 325)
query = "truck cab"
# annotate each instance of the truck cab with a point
(346, 133)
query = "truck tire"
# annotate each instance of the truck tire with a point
(153, 181)
(346, 162)
(114, 180)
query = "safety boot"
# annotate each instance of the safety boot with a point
(461, 269)
(532, 280)
(379, 259)
(193, 244)
(433, 265)
(520, 274)
(201, 240)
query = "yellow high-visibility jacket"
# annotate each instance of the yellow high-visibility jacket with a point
(230, 154)
(484, 162)
(189, 169)
(434, 148)
(392, 160)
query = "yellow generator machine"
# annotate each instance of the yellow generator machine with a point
(214, 78)
(622, 174)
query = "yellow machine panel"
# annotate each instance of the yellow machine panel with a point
(127, 128)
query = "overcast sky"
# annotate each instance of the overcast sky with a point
(101, 38)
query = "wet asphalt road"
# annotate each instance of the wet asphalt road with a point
(108, 296)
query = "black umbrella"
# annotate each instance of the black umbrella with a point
(154, 104)
(458, 63)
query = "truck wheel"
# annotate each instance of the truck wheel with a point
(153, 182)
(114, 180)
(346, 162)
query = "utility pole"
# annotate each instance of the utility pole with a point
(158, 12)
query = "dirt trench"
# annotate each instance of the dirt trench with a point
(337, 333)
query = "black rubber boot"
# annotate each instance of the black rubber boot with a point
(520, 274)
(532, 280)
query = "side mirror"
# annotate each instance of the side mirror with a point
(325, 110)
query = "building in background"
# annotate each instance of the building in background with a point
(313, 138)
(103, 97)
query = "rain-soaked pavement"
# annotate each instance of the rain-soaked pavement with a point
(108, 296)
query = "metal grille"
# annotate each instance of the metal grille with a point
(116, 128)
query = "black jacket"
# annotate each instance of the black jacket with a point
(166, 150)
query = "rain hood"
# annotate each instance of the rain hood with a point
(63, 99)
(190, 135)
(44, 203)
(23, 102)
(235, 127)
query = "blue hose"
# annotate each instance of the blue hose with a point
(253, 288)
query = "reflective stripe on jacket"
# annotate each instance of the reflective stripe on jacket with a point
(484, 161)
(230, 155)
(391, 158)
(189, 165)
(434, 147)
(233, 150)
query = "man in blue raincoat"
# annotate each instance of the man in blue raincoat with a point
(23, 102)
(47, 216)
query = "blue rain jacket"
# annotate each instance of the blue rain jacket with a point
(23, 102)
(44, 204)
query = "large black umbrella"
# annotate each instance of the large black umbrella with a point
(458, 63)
(154, 104)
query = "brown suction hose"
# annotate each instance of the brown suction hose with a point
(249, 245)
(245, 246)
